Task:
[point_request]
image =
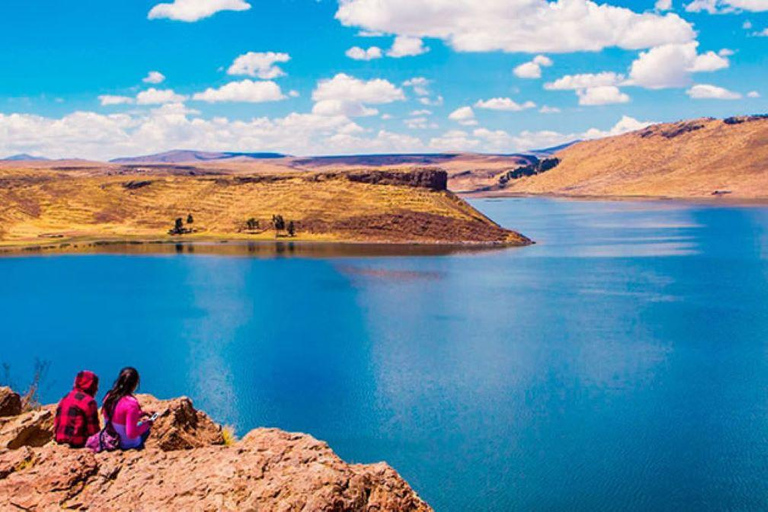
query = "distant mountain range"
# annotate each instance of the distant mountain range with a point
(24, 157)
(179, 156)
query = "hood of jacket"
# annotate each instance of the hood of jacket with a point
(87, 382)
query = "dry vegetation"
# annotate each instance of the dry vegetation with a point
(690, 159)
(63, 203)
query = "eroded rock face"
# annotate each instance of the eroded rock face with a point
(32, 429)
(187, 467)
(10, 403)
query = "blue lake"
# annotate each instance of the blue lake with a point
(619, 364)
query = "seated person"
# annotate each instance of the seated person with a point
(77, 416)
(124, 412)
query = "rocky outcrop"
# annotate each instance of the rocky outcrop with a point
(432, 179)
(10, 403)
(187, 466)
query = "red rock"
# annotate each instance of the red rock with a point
(10, 403)
(187, 467)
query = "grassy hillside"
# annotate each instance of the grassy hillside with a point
(66, 203)
(690, 159)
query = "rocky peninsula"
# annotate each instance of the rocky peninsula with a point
(190, 464)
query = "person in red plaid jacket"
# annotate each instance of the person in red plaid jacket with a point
(77, 417)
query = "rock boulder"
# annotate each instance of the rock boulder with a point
(10, 403)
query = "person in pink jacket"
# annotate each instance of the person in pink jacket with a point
(122, 409)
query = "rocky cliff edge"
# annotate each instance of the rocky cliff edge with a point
(187, 465)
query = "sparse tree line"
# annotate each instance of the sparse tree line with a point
(278, 223)
(180, 228)
(252, 225)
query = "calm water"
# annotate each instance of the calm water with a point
(620, 364)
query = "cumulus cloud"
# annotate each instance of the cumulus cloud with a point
(753, 94)
(672, 65)
(604, 95)
(464, 116)
(154, 96)
(419, 123)
(625, 125)
(585, 81)
(405, 46)
(663, 5)
(154, 77)
(727, 6)
(711, 92)
(259, 65)
(357, 53)
(532, 69)
(246, 91)
(505, 104)
(97, 136)
(349, 96)
(532, 26)
(108, 100)
(420, 85)
(549, 110)
(194, 10)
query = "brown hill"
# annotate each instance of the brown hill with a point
(64, 204)
(689, 159)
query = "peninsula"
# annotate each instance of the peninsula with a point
(58, 203)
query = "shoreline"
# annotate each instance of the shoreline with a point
(702, 200)
(245, 247)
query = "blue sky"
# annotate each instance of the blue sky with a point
(492, 76)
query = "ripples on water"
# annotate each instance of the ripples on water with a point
(619, 364)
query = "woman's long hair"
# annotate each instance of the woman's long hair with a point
(125, 385)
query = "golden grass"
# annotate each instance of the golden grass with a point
(45, 205)
(693, 164)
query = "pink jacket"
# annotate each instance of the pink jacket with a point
(126, 422)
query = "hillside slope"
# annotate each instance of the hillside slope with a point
(689, 159)
(143, 204)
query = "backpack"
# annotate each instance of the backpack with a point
(107, 440)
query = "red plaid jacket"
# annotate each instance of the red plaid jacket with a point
(77, 417)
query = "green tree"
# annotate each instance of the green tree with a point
(178, 227)
(252, 224)
(190, 219)
(279, 223)
(291, 229)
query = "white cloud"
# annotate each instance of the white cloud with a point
(747, 25)
(532, 26)
(422, 112)
(505, 104)
(97, 136)
(625, 125)
(247, 91)
(194, 10)
(464, 116)
(349, 96)
(431, 102)
(532, 69)
(585, 81)
(727, 6)
(672, 65)
(603, 95)
(108, 99)
(357, 53)
(420, 85)
(753, 94)
(405, 46)
(762, 33)
(711, 92)
(154, 77)
(419, 123)
(154, 96)
(259, 64)
(663, 5)
(549, 110)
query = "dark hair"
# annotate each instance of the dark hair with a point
(125, 385)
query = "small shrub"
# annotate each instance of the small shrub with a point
(230, 437)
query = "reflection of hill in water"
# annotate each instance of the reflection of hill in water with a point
(259, 249)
